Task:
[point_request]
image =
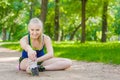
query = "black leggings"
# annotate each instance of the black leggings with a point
(21, 58)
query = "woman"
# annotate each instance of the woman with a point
(33, 57)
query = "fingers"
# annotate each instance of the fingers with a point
(32, 55)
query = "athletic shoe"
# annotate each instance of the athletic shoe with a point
(41, 68)
(35, 71)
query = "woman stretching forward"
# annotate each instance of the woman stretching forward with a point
(33, 58)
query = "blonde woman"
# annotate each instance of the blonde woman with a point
(33, 58)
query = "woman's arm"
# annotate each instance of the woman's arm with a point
(24, 44)
(49, 48)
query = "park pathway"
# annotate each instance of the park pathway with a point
(78, 71)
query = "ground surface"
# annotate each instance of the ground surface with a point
(78, 71)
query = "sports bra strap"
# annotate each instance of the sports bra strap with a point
(43, 41)
(29, 39)
(29, 42)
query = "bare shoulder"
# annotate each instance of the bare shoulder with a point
(46, 37)
(24, 39)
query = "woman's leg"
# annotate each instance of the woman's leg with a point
(24, 64)
(57, 64)
(50, 64)
(29, 67)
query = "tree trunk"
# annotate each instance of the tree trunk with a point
(83, 21)
(73, 33)
(56, 20)
(9, 35)
(3, 34)
(76, 29)
(49, 29)
(104, 21)
(62, 35)
(43, 10)
(31, 10)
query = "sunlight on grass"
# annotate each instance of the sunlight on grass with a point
(11, 45)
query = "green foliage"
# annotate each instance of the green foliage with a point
(49, 24)
(116, 23)
(94, 8)
(12, 18)
(93, 30)
(4, 3)
(15, 14)
(17, 5)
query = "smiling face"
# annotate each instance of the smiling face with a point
(35, 28)
(35, 31)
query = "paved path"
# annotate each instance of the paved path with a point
(78, 71)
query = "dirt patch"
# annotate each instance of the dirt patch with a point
(78, 71)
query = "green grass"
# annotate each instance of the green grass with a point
(11, 45)
(97, 52)
(108, 53)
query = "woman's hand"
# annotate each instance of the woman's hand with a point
(32, 55)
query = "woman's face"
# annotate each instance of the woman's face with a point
(35, 31)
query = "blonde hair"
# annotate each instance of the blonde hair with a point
(37, 22)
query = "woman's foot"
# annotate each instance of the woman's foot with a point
(33, 71)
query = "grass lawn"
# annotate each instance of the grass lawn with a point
(90, 51)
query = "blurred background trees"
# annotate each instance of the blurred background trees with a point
(78, 20)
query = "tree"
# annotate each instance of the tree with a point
(43, 10)
(83, 20)
(4, 10)
(31, 9)
(56, 30)
(104, 21)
